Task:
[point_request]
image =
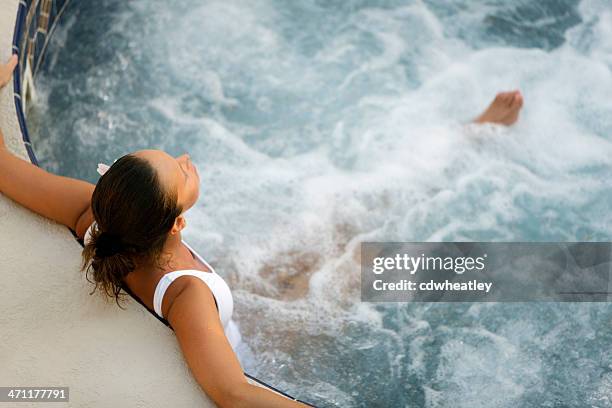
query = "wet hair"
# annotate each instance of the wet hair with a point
(134, 214)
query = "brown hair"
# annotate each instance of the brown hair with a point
(134, 215)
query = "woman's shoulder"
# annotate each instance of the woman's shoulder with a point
(192, 290)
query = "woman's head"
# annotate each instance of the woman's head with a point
(137, 205)
(175, 174)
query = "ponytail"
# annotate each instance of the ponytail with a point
(108, 260)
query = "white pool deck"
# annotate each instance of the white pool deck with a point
(52, 332)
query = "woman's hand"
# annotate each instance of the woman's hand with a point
(6, 70)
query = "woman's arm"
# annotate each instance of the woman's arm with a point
(197, 326)
(62, 199)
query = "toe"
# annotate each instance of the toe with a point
(506, 98)
(517, 100)
(519, 97)
(511, 99)
(503, 98)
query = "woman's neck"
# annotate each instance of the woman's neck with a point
(174, 256)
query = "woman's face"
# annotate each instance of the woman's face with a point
(176, 173)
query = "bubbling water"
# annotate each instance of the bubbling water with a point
(318, 125)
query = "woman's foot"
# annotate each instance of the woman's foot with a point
(504, 109)
(6, 70)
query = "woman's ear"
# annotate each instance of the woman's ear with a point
(179, 224)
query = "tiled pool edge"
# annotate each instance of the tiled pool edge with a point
(38, 53)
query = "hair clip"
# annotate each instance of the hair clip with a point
(103, 168)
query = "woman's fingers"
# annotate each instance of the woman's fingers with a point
(6, 70)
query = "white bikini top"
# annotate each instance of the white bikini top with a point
(221, 292)
(217, 285)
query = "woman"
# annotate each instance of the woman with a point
(138, 206)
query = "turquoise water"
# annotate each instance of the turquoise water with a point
(318, 125)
